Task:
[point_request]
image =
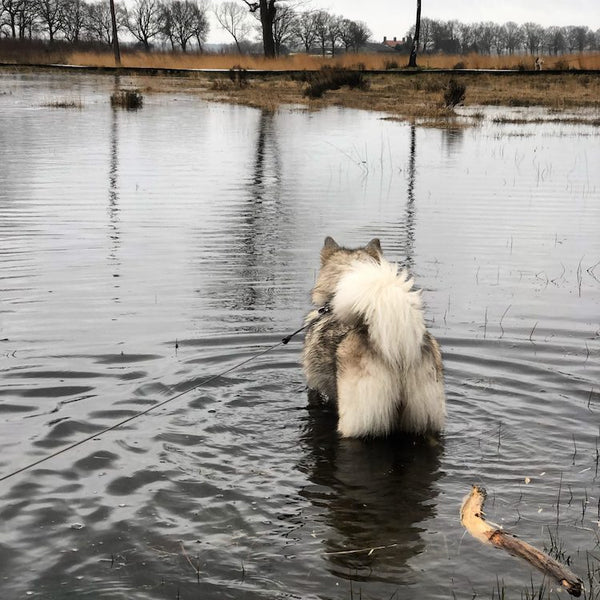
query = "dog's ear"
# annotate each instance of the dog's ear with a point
(329, 247)
(374, 248)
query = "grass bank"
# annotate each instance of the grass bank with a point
(419, 96)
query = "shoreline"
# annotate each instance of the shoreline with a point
(406, 94)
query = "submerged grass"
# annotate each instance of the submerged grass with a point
(64, 104)
(128, 99)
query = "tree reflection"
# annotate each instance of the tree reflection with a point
(410, 200)
(114, 233)
(256, 249)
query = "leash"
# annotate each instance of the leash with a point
(326, 308)
(321, 311)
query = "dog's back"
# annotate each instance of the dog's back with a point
(372, 353)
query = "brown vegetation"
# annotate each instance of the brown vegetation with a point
(422, 96)
(42, 53)
(419, 97)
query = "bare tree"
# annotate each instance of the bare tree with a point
(74, 18)
(143, 20)
(485, 34)
(578, 37)
(179, 19)
(333, 32)
(266, 11)
(305, 29)
(322, 20)
(201, 25)
(283, 27)
(233, 18)
(353, 34)
(512, 36)
(50, 15)
(27, 19)
(9, 13)
(533, 34)
(98, 24)
(555, 40)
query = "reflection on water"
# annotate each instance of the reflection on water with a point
(142, 251)
(410, 200)
(377, 496)
(113, 186)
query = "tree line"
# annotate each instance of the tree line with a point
(178, 24)
(454, 37)
(282, 27)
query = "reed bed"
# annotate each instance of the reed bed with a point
(300, 62)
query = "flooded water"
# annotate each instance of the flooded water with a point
(142, 252)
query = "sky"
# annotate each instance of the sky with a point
(395, 17)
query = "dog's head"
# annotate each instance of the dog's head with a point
(335, 261)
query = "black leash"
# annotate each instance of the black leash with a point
(323, 310)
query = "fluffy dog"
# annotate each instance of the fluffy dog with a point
(368, 351)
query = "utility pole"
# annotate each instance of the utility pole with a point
(113, 16)
(412, 61)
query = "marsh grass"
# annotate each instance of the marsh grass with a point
(311, 62)
(93, 54)
(328, 79)
(127, 99)
(454, 94)
(68, 104)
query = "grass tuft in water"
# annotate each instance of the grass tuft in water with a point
(64, 104)
(128, 99)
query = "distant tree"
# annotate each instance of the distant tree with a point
(578, 37)
(284, 27)
(322, 20)
(353, 34)
(98, 24)
(50, 15)
(533, 35)
(346, 33)
(179, 20)
(486, 34)
(305, 29)
(233, 18)
(412, 61)
(9, 16)
(333, 32)
(444, 36)
(74, 19)
(144, 20)
(512, 36)
(27, 19)
(201, 25)
(555, 40)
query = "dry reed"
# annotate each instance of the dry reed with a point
(310, 62)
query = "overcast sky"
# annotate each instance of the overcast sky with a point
(395, 17)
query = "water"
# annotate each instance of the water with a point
(141, 252)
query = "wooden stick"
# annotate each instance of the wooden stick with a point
(471, 516)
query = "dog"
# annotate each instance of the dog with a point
(366, 348)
